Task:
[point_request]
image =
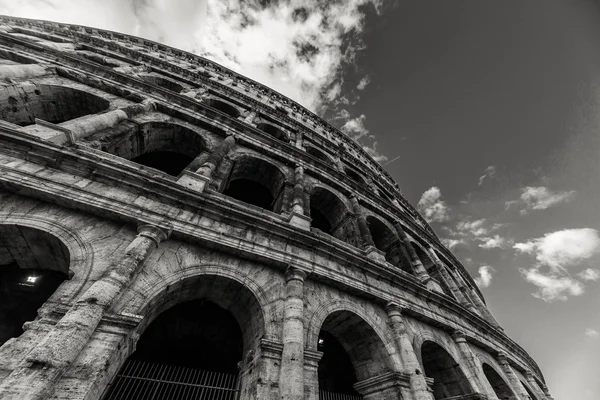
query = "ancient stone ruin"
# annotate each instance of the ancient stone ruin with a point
(170, 229)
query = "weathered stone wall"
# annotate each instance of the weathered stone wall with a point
(90, 128)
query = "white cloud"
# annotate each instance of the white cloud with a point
(355, 127)
(485, 276)
(552, 286)
(488, 173)
(363, 83)
(431, 205)
(496, 241)
(592, 333)
(540, 198)
(589, 274)
(452, 243)
(475, 228)
(561, 249)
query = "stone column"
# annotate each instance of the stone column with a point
(199, 180)
(535, 387)
(416, 264)
(513, 380)
(291, 375)
(473, 371)
(450, 282)
(479, 304)
(297, 216)
(299, 140)
(35, 378)
(410, 362)
(311, 374)
(363, 228)
(250, 117)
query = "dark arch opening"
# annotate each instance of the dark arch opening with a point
(355, 176)
(273, 131)
(192, 345)
(22, 104)
(316, 153)
(256, 182)
(432, 269)
(448, 378)
(33, 264)
(387, 241)
(500, 387)
(328, 214)
(529, 392)
(163, 83)
(166, 147)
(223, 107)
(352, 352)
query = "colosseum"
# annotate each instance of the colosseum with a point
(170, 229)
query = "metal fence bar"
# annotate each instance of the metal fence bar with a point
(326, 395)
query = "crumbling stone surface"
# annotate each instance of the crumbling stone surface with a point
(150, 177)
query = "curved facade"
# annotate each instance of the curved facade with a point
(170, 229)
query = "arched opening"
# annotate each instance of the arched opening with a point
(387, 241)
(194, 345)
(448, 378)
(529, 392)
(97, 58)
(166, 147)
(432, 269)
(318, 154)
(500, 387)
(162, 82)
(256, 182)
(23, 103)
(352, 352)
(33, 264)
(273, 131)
(328, 214)
(355, 176)
(222, 106)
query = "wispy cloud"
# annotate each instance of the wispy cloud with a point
(592, 333)
(355, 127)
(496, 241)
(484, 279)
(363, 83)
(473, 227)
(431, 205)
(539, 198)
(555, 253)
(452, 243)
(488, 173)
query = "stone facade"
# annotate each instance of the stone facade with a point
(144, 180)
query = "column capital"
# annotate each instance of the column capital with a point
(502, 358)
(459, 336)
(294, 273)
(394, 309)
(156, 233)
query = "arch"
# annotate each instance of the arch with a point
(329, 214)
(33, 264)
(386, 240)
(318, 154)
(274, 131)
(162, 82)
(223, 106)
(448, 378)
(257, 182)
(431, 268)
(355, 176)
(529, 391)
(22, 104)
(501, 388)
(164, 146)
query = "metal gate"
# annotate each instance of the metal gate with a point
(139, 380)
(325, 395)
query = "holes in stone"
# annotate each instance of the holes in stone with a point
(223, 107)
(500, 387)
(448, 378)
(273, 131)
(169, 162)
(54, 104)
(250, 192)
(318, 154)
(320, 221)
(327, 214)
(354, 176)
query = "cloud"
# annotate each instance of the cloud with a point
(485, 276)
(589, 274)
(452, 243)
(431, 205)
(539, 198)
(551, 286)
(475, 228)
(355, 127)
(496, 241)
(561, 249)
(363, 83)
(488, 173)
(592, 333)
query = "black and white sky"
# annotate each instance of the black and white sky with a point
(487, 113)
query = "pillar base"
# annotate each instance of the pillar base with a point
(193, 181)
(377, 386)
(375, 254)
(300, 221)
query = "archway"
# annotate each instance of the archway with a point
(448, 378)
(162, 82)
(167, 147)
(256, 182)
(352, 352)
(194, 338)
(432, 269)
(329, 215)
(387, 241)
(273, 131)
(222, 106)
(316, 153)
(33, 264)
(355, 176)
(501, 388)
(23, 103)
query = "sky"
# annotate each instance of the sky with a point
(487, 114)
